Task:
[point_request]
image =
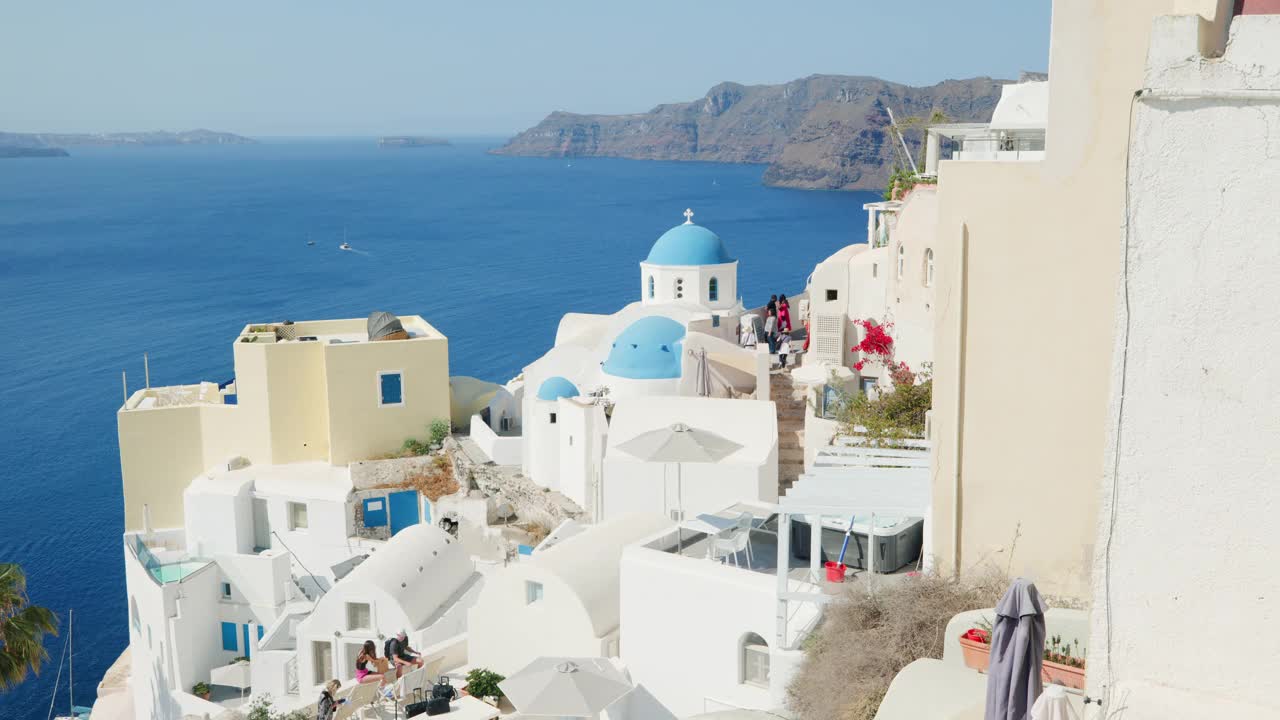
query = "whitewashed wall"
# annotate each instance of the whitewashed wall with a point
(1185, 613)
(683, 620)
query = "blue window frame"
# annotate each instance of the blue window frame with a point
(713, 290)
(390, 389)
(229, 640)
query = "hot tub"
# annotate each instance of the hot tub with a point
(898, 541)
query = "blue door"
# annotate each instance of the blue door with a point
(404, 509)
(248, 647)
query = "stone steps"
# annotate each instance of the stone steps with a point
(791, 455)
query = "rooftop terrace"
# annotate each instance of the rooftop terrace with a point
(331, 332)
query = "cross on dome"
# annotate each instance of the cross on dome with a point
(688, 216)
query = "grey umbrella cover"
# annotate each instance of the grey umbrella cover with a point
(1017, 653)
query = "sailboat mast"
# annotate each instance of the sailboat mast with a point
(71, 658)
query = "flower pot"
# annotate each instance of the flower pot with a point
(977, 655)
(1065, 675)
(205, 695)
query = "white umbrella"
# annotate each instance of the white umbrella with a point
(680, 443)
(566, 687)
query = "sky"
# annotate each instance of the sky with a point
(464, 67)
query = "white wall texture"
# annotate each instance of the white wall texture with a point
(1185, 616)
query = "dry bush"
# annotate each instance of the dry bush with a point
(538, 531)
(433, 482)
(864, 641)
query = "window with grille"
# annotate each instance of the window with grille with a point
(755, 661)
(359, 617)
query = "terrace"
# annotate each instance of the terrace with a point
(332, 332)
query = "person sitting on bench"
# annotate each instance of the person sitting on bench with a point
(401, 654)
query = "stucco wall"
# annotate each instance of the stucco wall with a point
(359, 428)
(1186, 627)
(683, 620)
(505, 632)
(160, 451)
(1021, 351)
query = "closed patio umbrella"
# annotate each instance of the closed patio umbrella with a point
(1017, 653)
(566, 687)
(702, 374)
(678, 444)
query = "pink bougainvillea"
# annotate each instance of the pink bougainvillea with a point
(876, 344)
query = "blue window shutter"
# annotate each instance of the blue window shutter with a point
(391, 389)
(259, 632)
(229, 637)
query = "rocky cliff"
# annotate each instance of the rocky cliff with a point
(825, 132)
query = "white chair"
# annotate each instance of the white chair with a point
(730, 544)
(746, 523)
(360, 697)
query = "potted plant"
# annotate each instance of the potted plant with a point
(1062, 665)
(483, 683)
(975, 644)
(201, 690)
(260, 333)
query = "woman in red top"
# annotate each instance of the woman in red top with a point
(784, 315)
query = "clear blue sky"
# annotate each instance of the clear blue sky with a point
(330, 67)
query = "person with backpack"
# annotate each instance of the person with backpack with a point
(397, 650)
(327, 707)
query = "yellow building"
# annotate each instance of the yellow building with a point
(308, 391)
(1028, 255)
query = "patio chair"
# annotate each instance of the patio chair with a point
(746, 523)
(730, 544)
(359, 698)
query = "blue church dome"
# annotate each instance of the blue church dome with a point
(688, 244)
(554, 388)
(649, 349)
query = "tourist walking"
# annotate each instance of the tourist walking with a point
(784, 348)
(771, 329)
(369, 654)
(327, 707)
(784, 315)
(773, 303)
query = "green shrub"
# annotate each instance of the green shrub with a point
(484, 683)
(891, 415)
(200, 688)
(437, 432)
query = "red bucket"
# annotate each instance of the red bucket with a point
(835, 571)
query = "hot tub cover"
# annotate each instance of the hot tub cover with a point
(383, 324)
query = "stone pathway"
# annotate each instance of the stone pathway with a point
(790, 400)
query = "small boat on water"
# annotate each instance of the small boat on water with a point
(311, 242)
(344, 246)
(78, 712)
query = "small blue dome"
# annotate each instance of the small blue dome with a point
(649, 349)
(554, 388)
(688, 244)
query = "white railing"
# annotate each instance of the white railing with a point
(291, 675)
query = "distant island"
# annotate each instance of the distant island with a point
(54, 144)
(826, 132)
(410, 141)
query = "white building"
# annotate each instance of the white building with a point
(689, 305)
(562, 601)
(633, 484)
(701, 634)
(421, 582)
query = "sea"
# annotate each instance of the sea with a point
(116, 252)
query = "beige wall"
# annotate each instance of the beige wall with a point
(297, 400)
(359, 428)
(908, 301)
(161, 450)
(1022, 350)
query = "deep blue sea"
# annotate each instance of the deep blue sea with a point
(115, 252)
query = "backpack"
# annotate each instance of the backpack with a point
(386, 649)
